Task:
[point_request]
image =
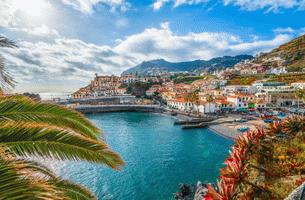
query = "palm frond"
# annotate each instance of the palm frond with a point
(16, 186)
(19, 108)
(33, 172)
(34, 139)
(73, 191)
(6, 81)
(4, 42)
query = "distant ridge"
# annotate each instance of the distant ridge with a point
(155, 67)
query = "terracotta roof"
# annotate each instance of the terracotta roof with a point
(181, 100)
(260, 101)
(222, 101)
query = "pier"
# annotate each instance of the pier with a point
(118, 108)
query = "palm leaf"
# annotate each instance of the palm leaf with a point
(33, 172)
(6, 81)
(29, 139)
(19, 108)
(16, 186)
(4, 42)
(73, 191)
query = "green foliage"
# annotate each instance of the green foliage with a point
(31, 129)
(138, 88)
(6, 81)
(242, 80)
(186, 79)
(266, 164)
(292, 52)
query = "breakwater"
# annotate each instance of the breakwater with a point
(118, 108)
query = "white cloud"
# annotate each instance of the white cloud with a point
(250, 5)
(270, 5)
(72, 59)
(86, 6)
(159, 3)
(156, 43)
(258, 46)
(19, 15)
(188, 2)
(13, 12)
(41, 31)
(284, 30)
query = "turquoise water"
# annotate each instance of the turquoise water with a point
(158, 157)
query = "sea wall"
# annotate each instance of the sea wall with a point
(118, 108)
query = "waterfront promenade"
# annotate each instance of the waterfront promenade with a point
(224, 126)
(118, 108)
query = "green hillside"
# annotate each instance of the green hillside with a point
(293, 54)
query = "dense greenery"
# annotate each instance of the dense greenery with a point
(292, 52)
(266, 163)
(155, 67)
(138, 88)
(29, 129)
(184, 78)
(249, 79)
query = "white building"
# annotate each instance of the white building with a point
(298, 85)
(229, 89)
(240, 100)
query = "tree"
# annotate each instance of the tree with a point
(6, 80)
(31, 129)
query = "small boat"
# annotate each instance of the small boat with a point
(268, 120)
(243, 129)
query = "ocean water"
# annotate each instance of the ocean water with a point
(158, 157)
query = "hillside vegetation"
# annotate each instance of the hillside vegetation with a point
(265, 164)
(293, 54)
(155, 67)
(249, 79)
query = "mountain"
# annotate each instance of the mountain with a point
(292, 55)
(154, 67)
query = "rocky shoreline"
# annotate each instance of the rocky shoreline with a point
(192, 192)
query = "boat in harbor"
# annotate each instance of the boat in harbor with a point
(243, 129)
(194, 121)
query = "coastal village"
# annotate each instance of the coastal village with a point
(152, 100)
(211, 93)
(259, 103)
(252, 92)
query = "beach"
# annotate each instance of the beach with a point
(229, 129)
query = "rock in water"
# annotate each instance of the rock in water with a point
(186, 192)
(297, 194)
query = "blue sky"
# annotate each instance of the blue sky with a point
(62, 43)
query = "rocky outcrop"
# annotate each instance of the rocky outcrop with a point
(192, 192)
(297, 194)
(201, 192)
(186, 192)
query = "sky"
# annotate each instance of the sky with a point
(63, 43)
